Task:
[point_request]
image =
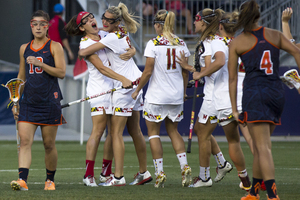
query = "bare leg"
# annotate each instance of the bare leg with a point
(155, 143)
(26, 132)
(204, 132)
(117, 128)
(215, 149)
(99, 124)
(247, 136)
(176, 139)
(49, 135)
(234, 146)
(133, 126)
(107, 149)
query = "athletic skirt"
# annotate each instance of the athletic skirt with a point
(41, 114)
(262, 104)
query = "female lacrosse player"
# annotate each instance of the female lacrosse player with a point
(126, 110)
(263, 92)
(207, 23)
(165, 94)
(41, 63)
(100, 80)
(220, 96)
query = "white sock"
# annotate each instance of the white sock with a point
(204, 173)
(220, 160)
(158, 165)
(243, 173)
(182, 159)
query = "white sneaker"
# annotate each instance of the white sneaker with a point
(160, 180)
(103, 178)
(90, 181)
(186, 174)
(221, 172)
(112, 181)
(141, 179)
(198, 182)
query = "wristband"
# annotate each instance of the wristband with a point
(292, 40)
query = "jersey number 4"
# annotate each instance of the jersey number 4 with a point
(171, 56)
(266, 62)
(33, 69)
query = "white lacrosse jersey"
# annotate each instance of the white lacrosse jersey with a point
(221, 96)
(209, 80)
(166, 83)
(117, 43)
(97, 82)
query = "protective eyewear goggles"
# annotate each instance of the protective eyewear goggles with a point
(41, 23)
(110, 20)
(85, 19)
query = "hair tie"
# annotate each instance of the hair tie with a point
(167, 12)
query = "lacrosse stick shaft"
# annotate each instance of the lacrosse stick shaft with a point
(192, 119)
(17, 131)
(198, 95)
(97, 95)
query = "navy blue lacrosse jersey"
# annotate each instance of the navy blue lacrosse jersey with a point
(40, 102)
(263, 91)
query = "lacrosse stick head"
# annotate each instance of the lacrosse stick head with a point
(293, 78)
(14, 87)
(198, 52)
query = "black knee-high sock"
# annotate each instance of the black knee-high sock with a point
(50, 175)
(255, 186)
(271, 188)
(23, 174)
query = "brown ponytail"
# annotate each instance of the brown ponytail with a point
(211, 18)
(249, 15)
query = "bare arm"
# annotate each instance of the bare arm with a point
(184, 62)
(59, 70)
(232, 69)
(185, 75)
(287, 46)
(91, 49)
(147, 73)
(214, 66)
(286, 16)
(197, 75)
(67, 46)
(129, 54)
(95, 60)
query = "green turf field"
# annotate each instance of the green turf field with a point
(71, 168)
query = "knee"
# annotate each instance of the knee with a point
(49, 146)
(25, 142)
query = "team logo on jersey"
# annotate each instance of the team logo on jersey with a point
(123, 110)
(55, 95)
(121, 32)
(157, 117)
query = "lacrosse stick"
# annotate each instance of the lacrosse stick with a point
(199, 51)
(136, 82)
(14, 87)
(291, 79)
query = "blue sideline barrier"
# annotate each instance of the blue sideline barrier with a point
(289, 119)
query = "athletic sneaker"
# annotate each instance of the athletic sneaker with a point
(49, 185)
(198, 182)
(186, 174)
(141, 179)
(160, 180)
(250, 197)
(19, 185)
(90, 181)
(222, 171)
(277, 198)
(247, 189)
(112, 181)
(103, 178)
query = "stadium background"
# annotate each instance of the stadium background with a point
(16, 31)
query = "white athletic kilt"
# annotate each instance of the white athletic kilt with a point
(158, 112)
(124, 104)
(225, 113)
(101, 103)
(207, 110)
